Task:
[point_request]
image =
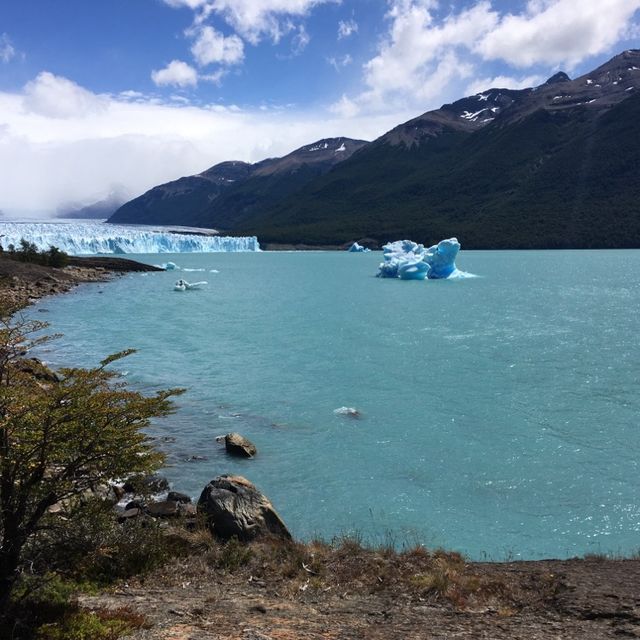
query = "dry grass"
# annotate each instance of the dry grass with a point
(306, 571)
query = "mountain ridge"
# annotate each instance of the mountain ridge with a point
(504, 168)
(196, 195)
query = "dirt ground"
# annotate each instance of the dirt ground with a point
(581, 599)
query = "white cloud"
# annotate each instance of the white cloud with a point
(347, 28)
(177, 74)
(215, 77)
(558, 32)
(139, 143)
(191, 4)
(425, 60)
(341, 61)
(418, 59)
(7, 50)
(211, 46)
(503, 82)
(57, 97)
(300, 41)
(345, 108)
(252, 19)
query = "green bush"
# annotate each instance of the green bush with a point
(28, 252)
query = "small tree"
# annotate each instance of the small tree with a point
(60, 438)
(56, 258)
(28, 251)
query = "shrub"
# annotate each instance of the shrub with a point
(60, 440)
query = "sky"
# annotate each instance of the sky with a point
(120, 95)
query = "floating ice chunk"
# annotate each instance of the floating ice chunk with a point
(349, 412)
(441, 258)
(411, 261)
(357, 248)
(183, 285)
(170, 266)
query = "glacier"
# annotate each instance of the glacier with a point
(85, 238)
(409, 260)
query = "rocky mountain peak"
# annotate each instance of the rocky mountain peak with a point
(561, 76)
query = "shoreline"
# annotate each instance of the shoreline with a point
(588, 598)
(23, 283)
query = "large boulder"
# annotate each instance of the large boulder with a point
(234, 507)
(238, 445)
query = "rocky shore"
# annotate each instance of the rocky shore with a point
(22, 283)
(273, 588)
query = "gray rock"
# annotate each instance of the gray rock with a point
(187, 510)
(233, 506)
(129, 514)
(134, 504)
(238, 445)
(176, 496)
(164, 509)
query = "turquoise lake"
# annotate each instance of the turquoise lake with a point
(499, 414)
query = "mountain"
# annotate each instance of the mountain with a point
(546, 167)
(552, 166)
(100, 210)
(227, 193)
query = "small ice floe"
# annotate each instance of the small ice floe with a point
(171, 266)
(348, 412)
(213, 271)
(183, 285)
(358, 248)
(187, 269)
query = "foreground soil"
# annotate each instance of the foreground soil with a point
(359, 594)
(22, 283)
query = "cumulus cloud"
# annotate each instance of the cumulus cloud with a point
(57, 97)
(425, 59)
(558, 32)
(211, 46)
(347, 28)
(7, 50)
(345, 108)
(176, 74)
(252, 19)
(503, 82)
(134, 140)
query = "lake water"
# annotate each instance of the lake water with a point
(499, 414)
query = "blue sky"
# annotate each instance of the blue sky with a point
(124, 94)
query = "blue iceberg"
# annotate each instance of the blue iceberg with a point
(441, 258)
(409, 260)
(358, 248)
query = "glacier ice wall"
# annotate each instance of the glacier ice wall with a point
(84, 238)
(409, 260)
